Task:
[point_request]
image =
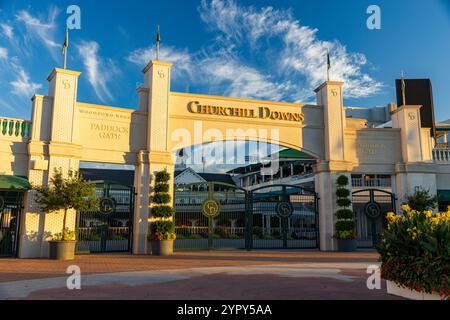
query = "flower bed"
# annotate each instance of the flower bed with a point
(415, 251)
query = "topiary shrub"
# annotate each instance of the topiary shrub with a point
(163, 211)
(344, 214)
(343, 202)
(345, 225)
(164, 227)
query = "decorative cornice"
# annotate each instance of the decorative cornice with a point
(336, 83)
(406, 107)
(156, 63)
(65, 71)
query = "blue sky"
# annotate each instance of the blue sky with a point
(262, 49)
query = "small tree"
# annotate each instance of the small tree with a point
(345, 226)
(421, 200)
(66, 193)
(164, 227)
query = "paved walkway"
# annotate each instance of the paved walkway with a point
(196, 275)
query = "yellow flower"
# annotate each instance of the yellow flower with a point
(428, 213)
(390, 216)
(406, 208)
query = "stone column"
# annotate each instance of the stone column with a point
(52, 145)
(329, 97)
(157, 156)
(141, 207)
(417, 169)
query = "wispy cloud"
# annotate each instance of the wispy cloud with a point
(300, 57)
(99, 71)
(263, 53)
(6, 30)
(23, 86)
(239, 80)
(3, 53)
(181, 58)
(40, 30)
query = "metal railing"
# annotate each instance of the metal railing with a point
(377, 182)
(441, 155)
(11, 127)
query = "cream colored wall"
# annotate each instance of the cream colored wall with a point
(110, 134)
(307, 135)
(13, 154)
(373, 147)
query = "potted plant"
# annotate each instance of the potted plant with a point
(415, 255)
(345, 224)
(64, 194)
(162, 228)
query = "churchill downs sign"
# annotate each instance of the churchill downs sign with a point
(258, 113)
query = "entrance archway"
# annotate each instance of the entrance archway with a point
(370, 207)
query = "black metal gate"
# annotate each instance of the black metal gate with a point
(284, 216)
(212, 215)
(11, 204)
(109, 229)
(370, 207)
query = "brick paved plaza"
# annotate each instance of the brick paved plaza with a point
(196, 275)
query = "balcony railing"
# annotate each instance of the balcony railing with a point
(15, 127)
(375, 183)
(441, 155)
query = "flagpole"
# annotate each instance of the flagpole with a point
(64, 48)
(328, 65)
(403, 89)
(328, 74)
(158, 39)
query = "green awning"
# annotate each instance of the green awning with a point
(14, 183)
(443, 195)
(294, 154)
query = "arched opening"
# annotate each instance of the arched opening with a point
(228, 172)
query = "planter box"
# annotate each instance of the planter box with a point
(393, 288)
(161, 247)
(62, 250)
(346, 245)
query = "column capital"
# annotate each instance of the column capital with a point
(329, 83)
(156, 63)
(161, 157)
(56, 71)
(406, 107)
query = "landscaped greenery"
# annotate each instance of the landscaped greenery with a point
(415, 250)
(163, 228)
(65, 193)
(345, 225)
(421, 200)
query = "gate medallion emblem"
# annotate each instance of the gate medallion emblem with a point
(211, 208)
(107, 205)
(284, 209)
(372, 210)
